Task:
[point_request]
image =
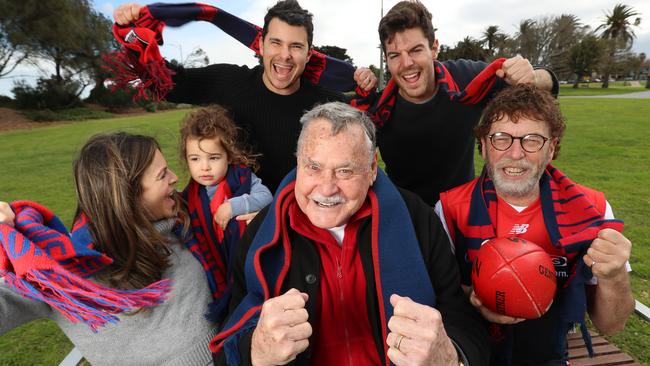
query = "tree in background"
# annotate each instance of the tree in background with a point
(617, 29)
(566, 32)
(632, 64)
(584, 57)
(14, 46)
(469, 48)
(197, 58)
(527, 40)
(492, 38)
(68, 34)
(336, 52)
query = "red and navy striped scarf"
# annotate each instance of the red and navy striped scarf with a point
(398, 264)
(572, 222)
(380, 105)
(42, 261)
(140, 58)
(214, 246)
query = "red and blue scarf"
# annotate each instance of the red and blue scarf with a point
(398, 264)
(572, 222)
(140, 57)
(380, 105)
(41, 260)
(214, 246)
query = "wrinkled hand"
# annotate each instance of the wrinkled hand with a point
(247, 217)
(282, 331)
(608, 254)
(489, 315)
(424, 342)
(223, 214)
(517, 70)
(365, 78)
(7, 215)
(127, 13)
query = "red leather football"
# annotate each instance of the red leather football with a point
(514, 277)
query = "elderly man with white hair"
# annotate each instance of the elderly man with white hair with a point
(343, 268)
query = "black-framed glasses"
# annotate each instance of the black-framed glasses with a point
(530, 143)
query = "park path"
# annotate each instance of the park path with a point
(637, 95)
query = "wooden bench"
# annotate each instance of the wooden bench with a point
(605, 352)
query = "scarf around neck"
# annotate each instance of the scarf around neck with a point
(214, 246)
(42, 261)
(572, 222)
(380, 105)
(398, 269)
(140, 59)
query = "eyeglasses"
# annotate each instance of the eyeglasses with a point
(530, 143)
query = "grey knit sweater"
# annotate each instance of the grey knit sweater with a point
(174, 333)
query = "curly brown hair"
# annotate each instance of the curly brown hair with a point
(214, 122)
(523, 101)
(406, 15)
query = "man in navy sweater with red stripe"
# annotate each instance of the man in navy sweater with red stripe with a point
(266, 100)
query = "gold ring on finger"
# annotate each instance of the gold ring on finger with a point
(398, 341)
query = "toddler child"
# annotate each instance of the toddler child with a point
(222, 184)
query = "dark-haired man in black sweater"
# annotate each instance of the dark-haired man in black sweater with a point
(267, 100)
(428, 141)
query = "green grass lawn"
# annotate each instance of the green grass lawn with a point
(606, 147)
(588, 89)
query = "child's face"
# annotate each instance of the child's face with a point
(207, 160)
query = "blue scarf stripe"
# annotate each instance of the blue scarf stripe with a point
(255, 292)
(577, 246)
(417, 285)
(548, 211)
(274, 261)
(82, 237)
(569, 199)
(583, 222)
(478, 215)
(474, 243)
(232, 229)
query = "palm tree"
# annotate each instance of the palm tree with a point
(470, 49)
(566, 32)
(491, 35)
(618, 29)
(527, 40)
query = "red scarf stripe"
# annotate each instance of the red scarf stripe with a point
(374, 204)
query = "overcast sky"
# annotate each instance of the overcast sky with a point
(353, 25)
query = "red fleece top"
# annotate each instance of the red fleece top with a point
(342, 334)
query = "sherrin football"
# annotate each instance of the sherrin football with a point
(514, 277)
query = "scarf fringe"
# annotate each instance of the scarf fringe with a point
(80, 300)
(151, 80)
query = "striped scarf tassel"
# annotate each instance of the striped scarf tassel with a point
(80, 300)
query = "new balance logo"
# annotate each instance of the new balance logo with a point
(519, 229)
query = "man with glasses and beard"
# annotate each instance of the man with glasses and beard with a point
(520, 194)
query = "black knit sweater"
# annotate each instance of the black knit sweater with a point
(270, 120)
(429, 148)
